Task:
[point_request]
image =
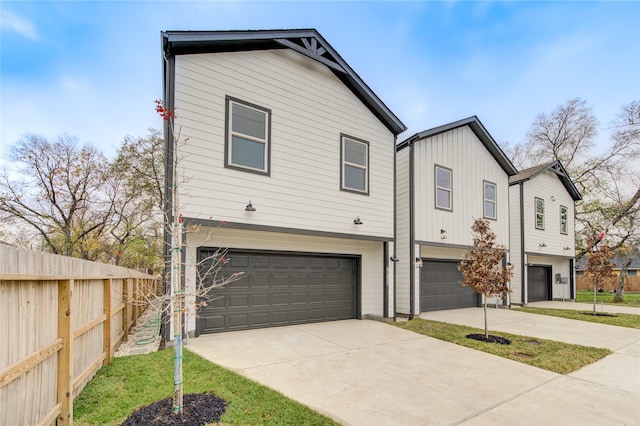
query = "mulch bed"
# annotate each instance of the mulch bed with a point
(490, 339)
(598, 314)
(199, 409)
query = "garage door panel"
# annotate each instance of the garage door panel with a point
(440, 287)
(538, 283)
(279, 289)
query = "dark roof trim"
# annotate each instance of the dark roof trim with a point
(478, 129)
(306, 41)
(553, 166)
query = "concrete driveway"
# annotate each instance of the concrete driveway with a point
(371, 373)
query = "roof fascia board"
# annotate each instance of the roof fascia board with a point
(557, 168)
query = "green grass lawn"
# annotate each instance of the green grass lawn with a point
(631, 299)
(134, 381)
(554, 356)
(621, 320)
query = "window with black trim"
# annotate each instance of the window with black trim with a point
(248, 136)
(490, 196)
(354, 154)
(443, 179)
(539, 205)
(564, 217)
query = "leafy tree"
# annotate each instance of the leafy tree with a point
(60, 194)
(599, 266)
(482, 266)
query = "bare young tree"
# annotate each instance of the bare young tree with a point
(599, 266)
(61, 194)
(482, 268)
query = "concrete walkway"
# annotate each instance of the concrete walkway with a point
(370, 373)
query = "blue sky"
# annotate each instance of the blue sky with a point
(93, 69)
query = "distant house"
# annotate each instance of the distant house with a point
(542, 237)
(446, 178)
(618, 261)
(289, 165)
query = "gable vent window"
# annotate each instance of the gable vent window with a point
(539, 204)
(355, 165)
(443, 188)
(248, 136)
(490, 200)
(564, 216)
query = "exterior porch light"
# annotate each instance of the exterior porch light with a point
(250, 207)
(566, 248)
(357, 221)
(509, 266)
(418, 262)
(542, 245)
(443, 234)
(394, 259)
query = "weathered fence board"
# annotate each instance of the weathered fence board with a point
(61, 319)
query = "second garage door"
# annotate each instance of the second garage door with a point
(538, 283)
(440, 287)
(279, 288)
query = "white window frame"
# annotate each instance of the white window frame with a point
(536, 213)
(564, 221)
(487, 200)
(449, 190)
(344, 163)
(228, 162)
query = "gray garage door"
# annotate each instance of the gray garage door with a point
(538, 283)
(440, 287)
(281, 289)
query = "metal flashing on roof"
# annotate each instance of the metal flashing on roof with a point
(478, 129)
(305, 41)
(552, 166)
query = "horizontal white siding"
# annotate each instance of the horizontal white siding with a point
(547, 185)
(461, 151)
(515, 241)
(310, 109)
(371, 252)
(404, 265)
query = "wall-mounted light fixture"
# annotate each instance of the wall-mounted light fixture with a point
(357, 221)
(553, 198)
(509, 266)
(418, 262)
(542, 245)
(566, 248)
(394, 259)
(250, 207)
(443, 234)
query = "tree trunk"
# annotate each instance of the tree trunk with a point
(486, 328)
(624, 271)
(595, 293)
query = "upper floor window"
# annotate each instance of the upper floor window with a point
(355, 165)
(490, 195)
(564, 214)
(539, 205)
(443, 188)
(247, 137)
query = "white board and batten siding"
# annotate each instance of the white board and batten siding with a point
(548, 187)
(310, 109)
(515, 241)
(404, 264)
(370, 253)
(461, 151)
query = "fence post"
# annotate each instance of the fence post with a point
(125, 311)
(106, 326)
(65, 356)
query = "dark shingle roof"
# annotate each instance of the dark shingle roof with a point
(553, 166)
(478, 129)
(306, 41)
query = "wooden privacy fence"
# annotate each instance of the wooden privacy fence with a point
(61, 319)
(631, 284)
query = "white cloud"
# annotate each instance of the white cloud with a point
(12, 22)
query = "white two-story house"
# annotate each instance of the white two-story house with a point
(446, 177)
(289, 165)
(542, 201)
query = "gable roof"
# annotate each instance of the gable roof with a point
(553, 166)
(305, 41)
(478, 129)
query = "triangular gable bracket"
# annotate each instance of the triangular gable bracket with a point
(311, 48)
(556, 167)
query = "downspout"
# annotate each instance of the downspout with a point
(522, 263)
(572, 273)
(412, 238)
(387, 254)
